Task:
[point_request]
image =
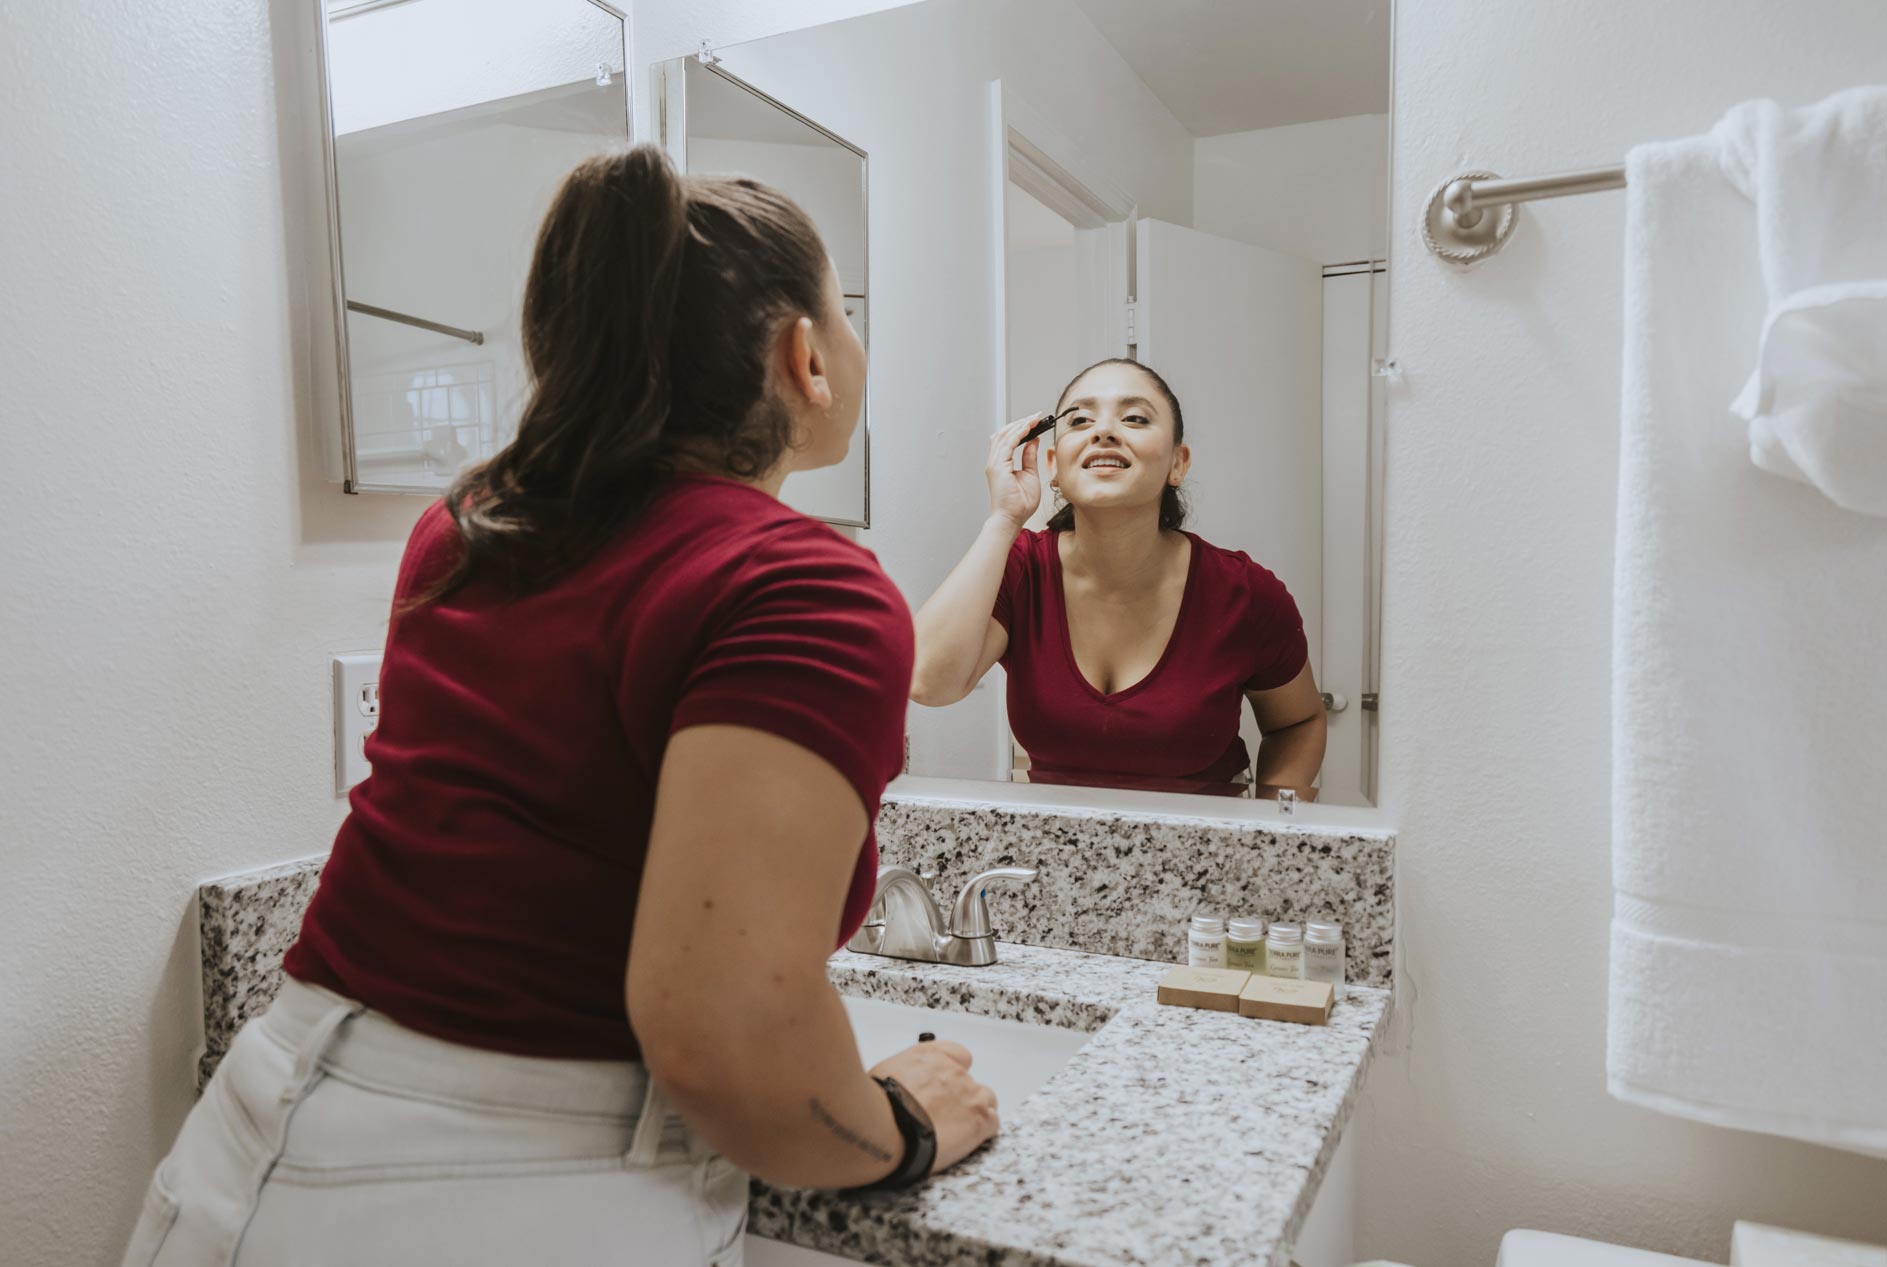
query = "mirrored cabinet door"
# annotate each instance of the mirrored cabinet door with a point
(715, 124)
(451, 124)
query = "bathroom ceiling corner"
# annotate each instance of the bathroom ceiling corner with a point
(1237, 68)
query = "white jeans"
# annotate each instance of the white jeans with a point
(332, 1135)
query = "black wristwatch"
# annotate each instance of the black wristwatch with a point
(920, 1139)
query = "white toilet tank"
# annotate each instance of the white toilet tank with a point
(1549, 1249)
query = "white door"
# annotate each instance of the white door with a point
(1237, 331)
(1101, 289)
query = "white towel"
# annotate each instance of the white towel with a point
(1749, 936)
(1817, 402)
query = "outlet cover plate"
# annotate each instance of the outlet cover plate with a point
(356, 713)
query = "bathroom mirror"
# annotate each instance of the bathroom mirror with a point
(713, 123)
(1199, 188)
(450, 124)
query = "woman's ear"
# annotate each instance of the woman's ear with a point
(805, 364)
(1182, 462)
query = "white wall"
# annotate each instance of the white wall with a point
(1319, 190)
(1497, 641)
(175, 578)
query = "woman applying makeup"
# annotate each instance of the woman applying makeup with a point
(1132, 646)
(563, 985)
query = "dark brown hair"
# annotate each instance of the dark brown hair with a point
(1172, 505)
(649, 314)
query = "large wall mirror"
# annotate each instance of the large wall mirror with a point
(1197, 189)
(450, 125)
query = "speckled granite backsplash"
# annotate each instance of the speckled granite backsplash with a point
(1110, 884)
(1113, 884)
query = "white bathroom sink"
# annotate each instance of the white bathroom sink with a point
(1013, 1058)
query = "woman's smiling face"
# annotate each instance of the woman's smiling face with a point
(1114, 448)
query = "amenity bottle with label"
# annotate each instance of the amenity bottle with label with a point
(1205, 942)
(1323, 955)
(1245, 944)
(1284, 951)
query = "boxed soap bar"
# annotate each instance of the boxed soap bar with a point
(1286, 999)
(1215, 989)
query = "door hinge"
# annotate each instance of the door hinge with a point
(1133, 323)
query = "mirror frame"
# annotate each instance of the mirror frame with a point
(330, 158)
(669, 103)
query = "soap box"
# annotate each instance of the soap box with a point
(1215, 989)
(1286, 999)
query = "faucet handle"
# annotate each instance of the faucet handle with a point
(970, 918)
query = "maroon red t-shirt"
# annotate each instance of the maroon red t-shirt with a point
(483, 886)
(1176, 729)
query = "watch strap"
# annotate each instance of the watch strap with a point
(920, 1139)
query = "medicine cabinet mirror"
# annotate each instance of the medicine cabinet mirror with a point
(449, 125)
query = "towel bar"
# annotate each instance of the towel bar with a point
(406, 319)
(1458, 225)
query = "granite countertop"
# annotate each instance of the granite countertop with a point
(1174, 1136)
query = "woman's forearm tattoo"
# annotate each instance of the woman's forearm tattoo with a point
(824, 1117)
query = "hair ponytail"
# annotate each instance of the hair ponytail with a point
(1172, 505)
(650, 308)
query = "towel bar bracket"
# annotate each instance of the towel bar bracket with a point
(1454, 228)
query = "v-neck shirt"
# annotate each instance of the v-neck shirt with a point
(1177, 728)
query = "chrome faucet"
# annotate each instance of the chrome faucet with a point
(906, 924)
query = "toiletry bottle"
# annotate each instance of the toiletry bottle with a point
(1245, 944)
(1323, 955)
(1205, 942)
(1284, 951)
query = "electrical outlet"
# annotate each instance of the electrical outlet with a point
(356, 713)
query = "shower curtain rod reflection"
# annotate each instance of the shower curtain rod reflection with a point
(1471, 216)
(387, 314)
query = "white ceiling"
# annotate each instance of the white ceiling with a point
(1239, 65)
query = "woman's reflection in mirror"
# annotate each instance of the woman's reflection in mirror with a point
(1132, 646)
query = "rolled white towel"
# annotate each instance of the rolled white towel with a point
(1816, 403)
